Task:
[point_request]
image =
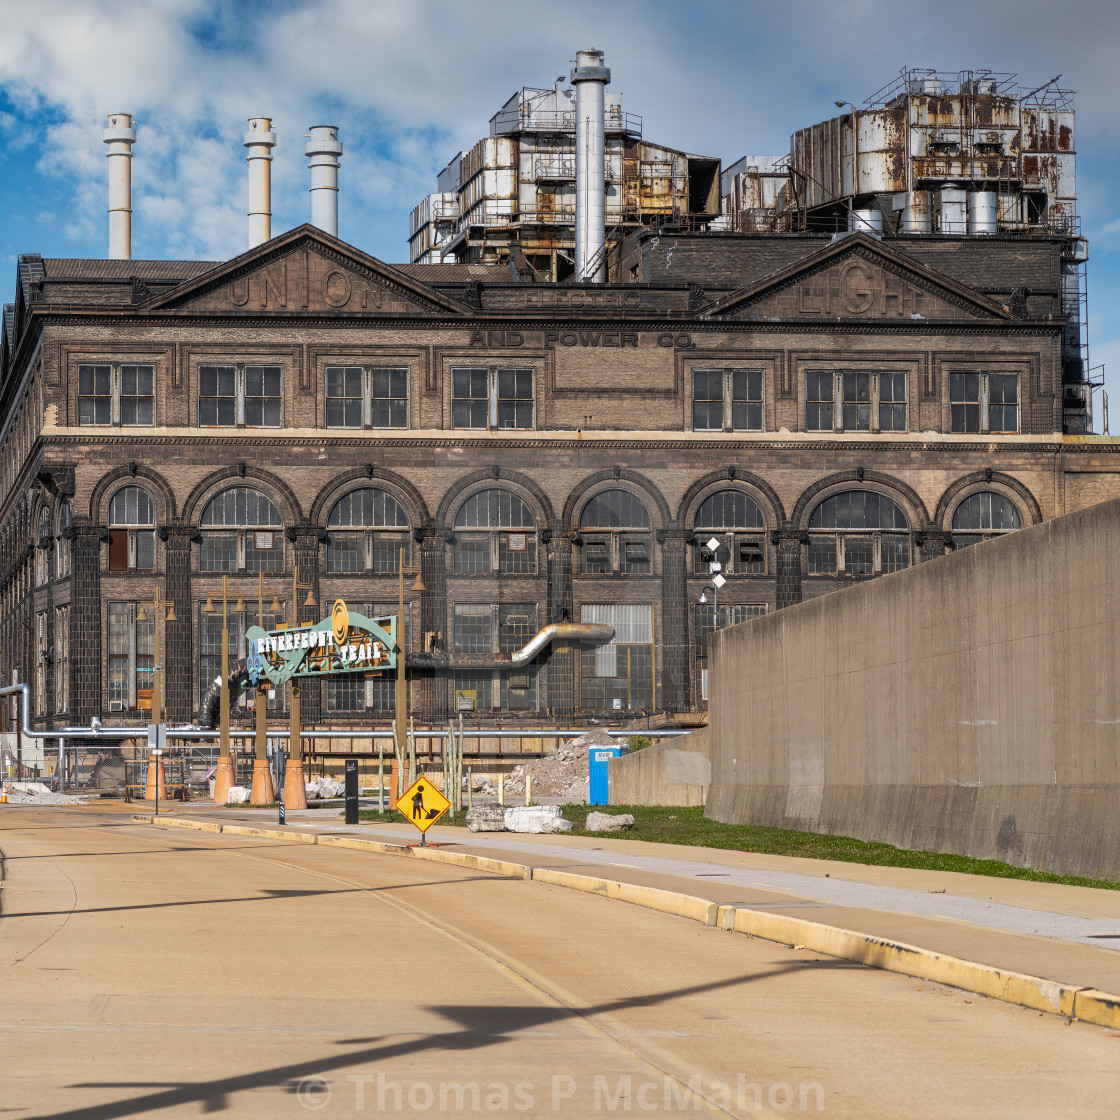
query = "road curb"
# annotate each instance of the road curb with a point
(1050, 996)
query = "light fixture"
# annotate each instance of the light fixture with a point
(171, 616)
(419, 584)
(141, 614)
(703, 597)
(239, 605)
(276, 608)
(209, 608)
(310, 601)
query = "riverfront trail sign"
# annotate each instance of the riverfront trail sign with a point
(343, 643)
(422, 804)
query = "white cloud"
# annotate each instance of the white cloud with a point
(410, 83)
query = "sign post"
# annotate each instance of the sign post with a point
(351, 791)
(422, 804)
(157, 754)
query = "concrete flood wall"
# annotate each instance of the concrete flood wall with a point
(671, 772)
(970, 704)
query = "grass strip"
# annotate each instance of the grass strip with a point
(687, 825)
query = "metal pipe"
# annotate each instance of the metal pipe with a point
(324, 149)
(590, 77)
(560, 631)
(120, 136)
(260, 140)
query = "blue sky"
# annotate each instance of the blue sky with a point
(411, 82)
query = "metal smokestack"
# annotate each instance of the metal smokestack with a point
(323, 150)
(260, 140)
(590, 77)
(120, 136)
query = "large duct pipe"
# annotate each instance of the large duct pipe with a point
(260, 140)
(323, 150)
(590, 77)
(120, 136)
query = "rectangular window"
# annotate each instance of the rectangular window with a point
(344, 396)
(388, 398)
(707, 400)
(984, 402)
(704, 620)
(95, 394)
(132, 550)
(856, 414)
(364, 397)
(492, 397)
(62, 659)
(727, 400)
(746, 400)
(240, 396)
(217, 396)
(819, 391)
(964, 402)
(470, 397)
(138, 402)
(515, 398)
(618, 675)
(1003, 402)
(892, 402)
(855, 401)
(116, 395)
(473, 631)
(131, 659)
(262, 396)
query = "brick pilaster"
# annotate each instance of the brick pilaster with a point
(674, 619)
(789, 542)
(179, 675)
(932, 543)
(560, 696)
(431, 689)
(85, 622)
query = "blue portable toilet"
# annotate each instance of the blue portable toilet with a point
(597, 759)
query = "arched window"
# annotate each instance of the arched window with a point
(734, 520)
(858, 533)
(495, 532)
(132, 534)
(368, 528)
(982, 516)
(42, 547)
(62, 541)
(614, 531)
(241, 531)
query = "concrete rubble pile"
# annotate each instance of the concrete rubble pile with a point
(519, 818)
(238, 795)
(563, 773)
(324, 787)
(36, 793)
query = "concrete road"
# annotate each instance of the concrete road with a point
(151, 972)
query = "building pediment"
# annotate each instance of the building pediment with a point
(858, 278)
(306, 271)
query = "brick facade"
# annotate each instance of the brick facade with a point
(614, 373)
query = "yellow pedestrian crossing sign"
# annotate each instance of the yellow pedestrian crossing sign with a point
(422, 804)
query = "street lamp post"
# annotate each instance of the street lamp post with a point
(156, 781)
(401, 704)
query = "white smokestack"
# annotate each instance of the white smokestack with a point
(260, 140)
(324, 149)
(120, 136)
(590, 78)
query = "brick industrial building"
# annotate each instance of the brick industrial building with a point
(827, 406)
